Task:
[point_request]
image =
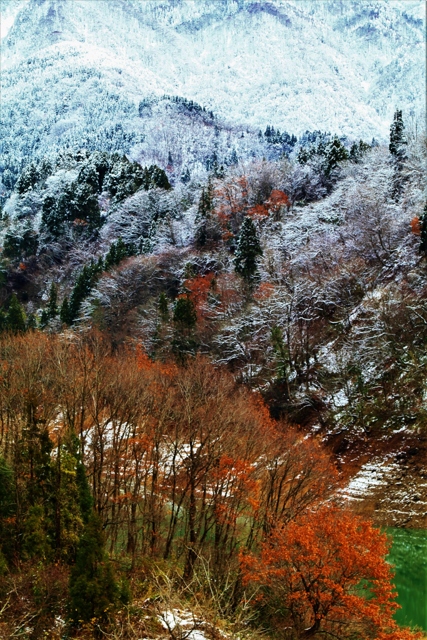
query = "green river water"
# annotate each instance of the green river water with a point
(409, 555)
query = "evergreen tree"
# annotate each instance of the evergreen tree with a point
(335, 153)
(15, 317)
(53, 216)
(184, 314)
(84, 493)
(118, 251)
(247, 252)
(93, 589)
(397, 137)
(397, 150)
(7, 513)
(86, 205)
(423, 221)
(81, 290)
(28, 179)
(31, 322)
(52, 305)
(64, 314)
(203, 214)
(185, 176)
(207, 227)
(185, 320)
(155, 177)
(163, 307)
(44, 319)
(51, 310)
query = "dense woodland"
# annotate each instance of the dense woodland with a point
(186, 356)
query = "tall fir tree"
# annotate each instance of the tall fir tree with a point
(204, 212)
(64, 314)
(397, 136)
(93, 589)
(247, 252)
(335, 153)
(7, 514)
(423, 235)
(15, 317)
(163, 307)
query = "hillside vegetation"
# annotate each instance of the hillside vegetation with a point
(192, 365)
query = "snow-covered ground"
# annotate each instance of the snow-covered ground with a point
(396, 489)
(342, 67)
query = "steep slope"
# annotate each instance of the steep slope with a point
(83, 67)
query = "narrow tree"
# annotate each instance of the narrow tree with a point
(93, 589)
(247, 252)
(423, 231)
(397, 136)
(15, 317)
(64, 313)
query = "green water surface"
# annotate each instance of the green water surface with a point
(409, 555)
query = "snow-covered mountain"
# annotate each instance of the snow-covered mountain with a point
(75, 71)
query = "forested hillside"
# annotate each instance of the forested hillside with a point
(191, 366)
(213, 320)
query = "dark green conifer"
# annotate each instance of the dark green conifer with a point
(53, 216)
(423, 237)
(163, 307)
(93, 589)
(335, 153)
(28, 179)
(206, 230)
(247, 252)
(15, 317)
(64, 314)
(185, 320)
(7, 514)
(397, 136)
(184, 313)
(52, 305)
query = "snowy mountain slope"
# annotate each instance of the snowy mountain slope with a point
(82, 67)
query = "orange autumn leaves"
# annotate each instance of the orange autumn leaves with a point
(325, 575)
(183, 463)
(234, 199)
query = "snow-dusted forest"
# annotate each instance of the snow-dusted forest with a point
(213, 319)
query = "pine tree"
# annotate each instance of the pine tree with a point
(185, 320)
(15, 317)
(53, 215)
(335, 153)
(93, 589)
(207, 228)
(163, 307)
(247, 252)
(184, 314)
(64, 314)
(397, 137)
(7, 513)
(52, 305)
(81, 290)
(397, 150)
(28, 179)
(185, 176)
(423, 237)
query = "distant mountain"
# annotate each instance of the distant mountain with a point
(75, 72)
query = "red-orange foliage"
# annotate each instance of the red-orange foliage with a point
(277, 200)
(231, 199)
(416, 225)
(258, 211)
(315, 568)
(198, 289)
